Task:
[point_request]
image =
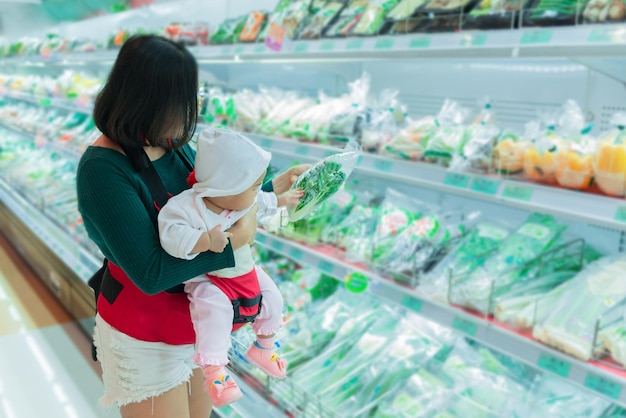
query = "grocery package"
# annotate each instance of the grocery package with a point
(613, 340)
(495, 14)
(325, 16)
(372, 21)
(574, 156)
(553, 12)
(385, 117)
(252, 27)
(410, 142)
(539, 155)
(274, 17)
(610, 160)
(348, 19)
(604, 11)
(469, 253)
(508, 154)
(188, 33)
(292, 17)
(229, 30)
(323, 179)
(313, 123)
(504, 269)
(450, 6)
(355, 233)
(286, 104)
(451, 135)
(406, 17)
(571, 324)
(348, 125)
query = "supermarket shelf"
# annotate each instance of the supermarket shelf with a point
(43, 142)
(579, 206)
(78, 259)
(592, 375)
(578, 41)
(42, 101)
(586, 207)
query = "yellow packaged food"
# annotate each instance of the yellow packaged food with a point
(610, 161)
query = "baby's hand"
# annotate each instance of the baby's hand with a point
(290, 197)
(218, 240)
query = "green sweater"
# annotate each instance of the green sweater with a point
(119, 216)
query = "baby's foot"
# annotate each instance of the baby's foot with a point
(267, 360)
(220, 386)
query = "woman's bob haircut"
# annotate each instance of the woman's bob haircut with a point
(151, 94)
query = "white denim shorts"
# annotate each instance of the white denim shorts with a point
(134, 370)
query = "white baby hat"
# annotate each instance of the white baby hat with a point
(227, 163)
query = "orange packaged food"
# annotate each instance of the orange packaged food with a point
(610, 161)
(253, 26)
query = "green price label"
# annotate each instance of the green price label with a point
(302, 47)
(465, 326)
(620, 214)
(383, 165)
(277, 246)
(238, 50)
(356, 282)
(486, 186)
(354, 44)
(327, 46)
(413, 304)
(456, 180)
(302, 150)
(296, 254)
(600, 35)
(266, 143)
(523, 193)
(260, 48)
(326, 266)
(554, 365)
(260, 238)
(45, 102)
(541, 36)
(420, 42)
(384, 43)
(478, 39)
(601, 385)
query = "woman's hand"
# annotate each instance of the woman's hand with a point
(244, 229)
(283, 181)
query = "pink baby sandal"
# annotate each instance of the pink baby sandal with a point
(221, 387)
(267, 360)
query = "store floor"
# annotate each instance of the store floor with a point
(45, 357)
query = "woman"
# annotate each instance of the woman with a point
(143, 334)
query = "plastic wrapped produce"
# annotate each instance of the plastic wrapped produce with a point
(274, 17)
(373, 20)
(604, 11)
(348, 125)
(252, 27)
(348, 19)
(293, 17)
(508, 154)
(386, 117)
(325, 16)
(495, 14)
(451, 136)
(411, 141)
(553, 12)
(229, 30)
(539, 156)
(470, 253)
(574, 165)
(571, 325)
(610, 160)
(536, 236)
(323, 180)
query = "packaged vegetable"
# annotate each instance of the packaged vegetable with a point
(293, 17)
(405, 9)
(386, 117)
(492, 14)
(508, 154)
(229, 30)
(274, 17)
(571, 326)
(323, 180)
(411, 141)
(253, 26)
(348, 125)
(373, 19)
(451, 136)
(604, 11)
(574, 168)
(348, 19)
(551, 12)
(610, 160)
(539, 156)
(324, 17)
(448, 5)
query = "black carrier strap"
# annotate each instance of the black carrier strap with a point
(238, 318)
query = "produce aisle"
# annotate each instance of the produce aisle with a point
(46, 368)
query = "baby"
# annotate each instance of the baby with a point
(229, 172)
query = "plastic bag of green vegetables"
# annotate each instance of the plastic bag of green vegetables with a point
(571, 325)
(495, 14)
(536, 236)
(229, 30)
(553, 12)
(325, 16)
(373, 20)
(323, 180)
(348, 19)
(469, 254)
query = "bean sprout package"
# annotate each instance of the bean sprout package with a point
(451, 136)
(572, 323)
(610, 160)
(323, 180)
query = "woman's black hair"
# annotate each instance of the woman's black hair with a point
(153, 85)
